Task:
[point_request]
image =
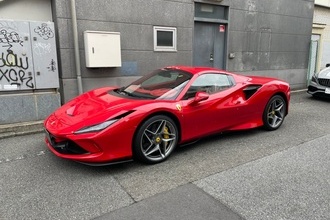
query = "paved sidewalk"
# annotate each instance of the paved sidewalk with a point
(185, 202)
(292, 184)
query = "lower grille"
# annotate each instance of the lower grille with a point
(312, 89)
(324, 82)
(64, 146)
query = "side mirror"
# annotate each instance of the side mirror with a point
(200, 96)
(327, 65)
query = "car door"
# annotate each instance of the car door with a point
(213, 114)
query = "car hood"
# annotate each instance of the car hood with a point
(91, 108)
(325, 73)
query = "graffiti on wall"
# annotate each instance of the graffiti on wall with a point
(52, 66)
(27, 53)
(7, 39)
(14, 66)
(44, 31)
(42, 48)
(13, 70)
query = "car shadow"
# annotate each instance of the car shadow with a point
(219, 136)
(133, 166)
(323, 99)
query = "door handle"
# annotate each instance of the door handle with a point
(211, 57)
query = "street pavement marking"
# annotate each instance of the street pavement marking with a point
(22, 157)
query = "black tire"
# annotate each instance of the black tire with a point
(274, 113)
(155, 140)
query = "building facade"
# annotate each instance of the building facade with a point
(112, 42)
(320, 40)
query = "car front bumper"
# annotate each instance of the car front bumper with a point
(91, 148)
(318, 90)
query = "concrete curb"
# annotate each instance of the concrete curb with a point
(11, 130)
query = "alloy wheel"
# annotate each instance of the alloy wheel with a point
(274, 113)
(157, 139)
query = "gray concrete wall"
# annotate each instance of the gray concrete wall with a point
(268, 38)
(134, 20)
(271, 38)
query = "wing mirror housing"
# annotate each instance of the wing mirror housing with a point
(200, 96)
(327, 65)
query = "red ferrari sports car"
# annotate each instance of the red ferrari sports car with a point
(147, 119)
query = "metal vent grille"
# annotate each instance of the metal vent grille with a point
(324, 82)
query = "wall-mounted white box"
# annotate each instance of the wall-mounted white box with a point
(102, 49)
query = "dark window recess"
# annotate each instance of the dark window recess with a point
(165, 38)
(211, 11)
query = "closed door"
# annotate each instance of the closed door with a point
(209, 45)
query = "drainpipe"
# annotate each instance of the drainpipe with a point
(76, 45)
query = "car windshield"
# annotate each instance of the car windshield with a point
(161, 84)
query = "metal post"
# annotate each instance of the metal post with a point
(76, 45)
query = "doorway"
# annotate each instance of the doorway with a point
(210, 35)
(209, 45)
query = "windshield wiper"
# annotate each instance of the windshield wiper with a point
(123, 92)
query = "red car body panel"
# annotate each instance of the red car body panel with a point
(223, 111)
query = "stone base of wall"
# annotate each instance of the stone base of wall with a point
(27, 107)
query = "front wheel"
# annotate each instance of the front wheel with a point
(274, 113)
(155, 140)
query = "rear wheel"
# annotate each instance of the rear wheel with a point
(274, 113)
(155, 140)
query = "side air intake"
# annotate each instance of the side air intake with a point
(250, 90)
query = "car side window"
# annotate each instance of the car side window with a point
(210, 83)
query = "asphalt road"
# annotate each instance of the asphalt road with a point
(253, 174)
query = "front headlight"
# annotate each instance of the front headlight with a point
(314, 79)
(97, 127)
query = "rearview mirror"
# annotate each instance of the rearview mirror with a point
(165, 74)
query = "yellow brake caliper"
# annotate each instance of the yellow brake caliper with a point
(166, 135)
